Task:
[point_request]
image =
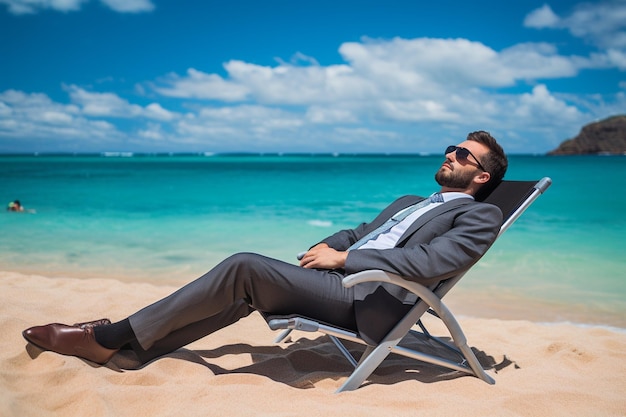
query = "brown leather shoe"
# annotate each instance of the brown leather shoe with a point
(69, 340)
(94, 323)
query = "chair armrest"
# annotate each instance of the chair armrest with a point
(375, 275)
(424, 293)
(372, 275)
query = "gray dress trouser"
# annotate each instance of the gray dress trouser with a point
(235, 288)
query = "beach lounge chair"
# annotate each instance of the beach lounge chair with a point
(513, 198)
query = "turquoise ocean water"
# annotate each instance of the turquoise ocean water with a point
(167, 219)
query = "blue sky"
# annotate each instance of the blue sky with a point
(305, 76)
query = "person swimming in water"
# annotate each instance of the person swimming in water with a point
(16, 206)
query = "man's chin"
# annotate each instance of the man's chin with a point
(442, 176)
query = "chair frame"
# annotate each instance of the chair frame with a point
(430, 300)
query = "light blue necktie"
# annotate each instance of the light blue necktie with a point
(385, 227)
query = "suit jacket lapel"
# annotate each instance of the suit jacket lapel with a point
(429, 215)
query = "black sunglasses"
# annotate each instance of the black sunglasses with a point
(462, 154)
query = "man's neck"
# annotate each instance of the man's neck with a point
(457, 190)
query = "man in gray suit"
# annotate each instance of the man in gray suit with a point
(422, 242)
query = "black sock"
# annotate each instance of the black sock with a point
(115, 335)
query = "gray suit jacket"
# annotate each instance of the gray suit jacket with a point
(442, 243)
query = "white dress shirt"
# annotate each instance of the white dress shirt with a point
(390, 238)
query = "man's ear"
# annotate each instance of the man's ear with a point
(482, 178)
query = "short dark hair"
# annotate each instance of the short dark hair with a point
(495, 161)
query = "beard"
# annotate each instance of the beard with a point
(454, 179)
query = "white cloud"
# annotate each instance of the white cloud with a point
(417, 63)
(155, 111)
(394, 95)
(102, 104)
(296, 85)
(256, 120)
(533, 61)
(285, 83)
(34, 105)
(325, 115)
(129, 6)
(153, 132)
(32, 6)
(244, 127)
(384, 81)
(200, 85)
(111, 105)
(19, 7)
(542, 17)
(603, 23)
(56, 117)
(616, 58)
(419, 70)
(417, 110)
(541, 105)
(5, 110)
(600, 23)
(34, 116)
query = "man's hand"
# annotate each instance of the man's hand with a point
(323, 257)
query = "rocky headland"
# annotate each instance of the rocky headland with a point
(606, 137)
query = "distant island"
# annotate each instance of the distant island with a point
(606, 137)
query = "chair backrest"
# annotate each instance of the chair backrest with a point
(513, 198)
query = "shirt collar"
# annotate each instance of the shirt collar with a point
(453, 195)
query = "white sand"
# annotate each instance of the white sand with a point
(542, 370)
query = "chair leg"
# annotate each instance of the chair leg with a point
(368, 349)
(283, 335)
(367, 366)
(472, 361)
(342, 348)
